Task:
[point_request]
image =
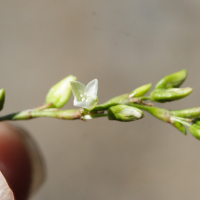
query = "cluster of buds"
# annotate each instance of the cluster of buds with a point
(189, 117)
(167, 89)
(124, 108)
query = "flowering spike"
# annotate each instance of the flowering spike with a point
(85, 96)
(140, 91)
(173, 80)
(60, 93)
(172, 94)
(124, 113)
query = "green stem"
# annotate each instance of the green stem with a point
(105, 106)
(45, 106)
(28, 114)
(145, 98)
(126, 101)
(181, 121)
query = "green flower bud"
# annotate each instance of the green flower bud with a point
(179, 126)
(60, 93)
(197, 122)
(124, 113)
(2, 98)
(173, 80)
(159, 113)
(187, 113)
(138, 92)
(172, 94)
(195, 130)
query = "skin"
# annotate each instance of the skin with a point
(15, 162)
(5, 191)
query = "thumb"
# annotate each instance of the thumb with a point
(20, 161)
(5, 192)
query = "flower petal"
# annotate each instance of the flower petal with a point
(77, 89)
(92, 87)
(91, 104)
(81, 104)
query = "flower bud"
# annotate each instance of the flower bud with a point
(172, 94)
(173, 80)
(138, 92)
(60, 93)
(124, 113)
(187, 113)
(197, 122)
(179, 126)
(2, 98)
(195, 130)
(159, 113)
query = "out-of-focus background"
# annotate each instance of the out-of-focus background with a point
(124, 44)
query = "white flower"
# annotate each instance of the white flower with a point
(85, 96)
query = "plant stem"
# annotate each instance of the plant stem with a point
(28, 114)
(145, 98)
(181, 121)
(107, 105)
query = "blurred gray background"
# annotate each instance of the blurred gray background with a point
(124, 44)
